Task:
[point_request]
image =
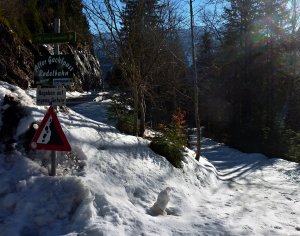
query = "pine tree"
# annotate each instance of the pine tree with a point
(240, 19)
(141, 45)
(253, 70)
(210, 89)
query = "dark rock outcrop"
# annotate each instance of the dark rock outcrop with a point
(16, 59)
(12, 112)
(88, 73)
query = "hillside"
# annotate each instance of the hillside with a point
(106, 185)
(19, 20)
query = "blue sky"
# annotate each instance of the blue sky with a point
(182, 7)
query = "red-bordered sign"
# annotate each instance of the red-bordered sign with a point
(50, 135)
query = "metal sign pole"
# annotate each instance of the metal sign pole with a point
(56, 30)
(56, 52)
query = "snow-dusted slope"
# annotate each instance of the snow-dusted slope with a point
(111, 195)
(125, 176)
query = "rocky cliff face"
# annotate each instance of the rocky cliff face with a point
(17, 58)
(88, 74)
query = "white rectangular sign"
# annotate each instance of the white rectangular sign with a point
(62, 81)
(51, 96)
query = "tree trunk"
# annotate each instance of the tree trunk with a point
(142, 111)
(136, 111)
(196, 96)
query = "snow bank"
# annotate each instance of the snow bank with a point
(119, 180)
(33, 203)
(125, 176)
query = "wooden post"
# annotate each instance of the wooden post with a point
(56, 52)
(196, 98)
(56, 30)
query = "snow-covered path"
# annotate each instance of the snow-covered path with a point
(256, 195)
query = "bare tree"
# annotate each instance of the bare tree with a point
(137, 50)
(106, 16)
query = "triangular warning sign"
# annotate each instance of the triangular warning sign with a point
(50, 135)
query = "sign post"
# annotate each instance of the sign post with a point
(56, 52)
(67, 37)
(51, 73)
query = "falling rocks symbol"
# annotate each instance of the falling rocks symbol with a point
(50, 135)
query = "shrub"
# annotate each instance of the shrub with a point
(171, 151)
(172, 140)
(120, 111)
(125, 123)
(292, 142)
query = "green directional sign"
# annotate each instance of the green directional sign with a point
(67, 37)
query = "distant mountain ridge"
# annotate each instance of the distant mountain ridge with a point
(184, 36)
(186, 41)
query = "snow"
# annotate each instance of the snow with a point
(109, 182)
(76, 94)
